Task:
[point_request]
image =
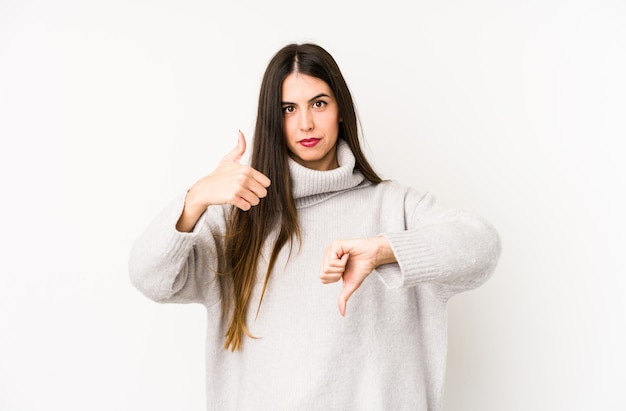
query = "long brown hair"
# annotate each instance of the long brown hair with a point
(247, 230)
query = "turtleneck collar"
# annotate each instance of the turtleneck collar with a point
(312, 186)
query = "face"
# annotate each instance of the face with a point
(311, 117)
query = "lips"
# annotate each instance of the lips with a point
(309, 142)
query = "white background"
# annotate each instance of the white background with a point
(512, 109)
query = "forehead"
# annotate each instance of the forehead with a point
(298, 86)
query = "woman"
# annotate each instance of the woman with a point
(269, 248)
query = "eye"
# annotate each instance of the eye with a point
(288, 109)
(320, 104)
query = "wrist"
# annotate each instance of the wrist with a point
(190, 214)
(385, 254)
(192, 203)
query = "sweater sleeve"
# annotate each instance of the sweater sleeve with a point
(167, 265)
(453, 249)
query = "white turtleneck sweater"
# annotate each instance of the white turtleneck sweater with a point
(387, 353)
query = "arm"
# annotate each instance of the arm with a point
(169, 266)
(453, 249)
(176, 258)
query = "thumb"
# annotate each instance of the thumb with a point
(236, 153)
(346, 291)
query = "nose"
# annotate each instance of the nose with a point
(306, 120)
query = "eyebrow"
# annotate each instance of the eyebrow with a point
(284, 103)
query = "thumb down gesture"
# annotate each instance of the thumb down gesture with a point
(351, 261)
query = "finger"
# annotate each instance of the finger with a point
(334, 266)
(332, 272)
(261, 178)
(339, 262)
(240, 203)
(333, 269)
(329, 278)
(342, 307)
(236, 153)
(346, 291)
(258, 189)
(250, 197)
(333, 262)
(247, 190)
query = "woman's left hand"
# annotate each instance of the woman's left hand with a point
(352, 261)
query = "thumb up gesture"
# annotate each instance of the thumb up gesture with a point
(230, 183)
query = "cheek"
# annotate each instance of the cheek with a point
(289, 126)
(332, 118)
(332, 122)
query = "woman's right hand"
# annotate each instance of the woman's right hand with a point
(230, 183)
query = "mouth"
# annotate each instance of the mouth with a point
(309, 142)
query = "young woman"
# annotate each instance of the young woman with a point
(271, 248)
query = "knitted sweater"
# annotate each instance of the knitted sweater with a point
(387, 353)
